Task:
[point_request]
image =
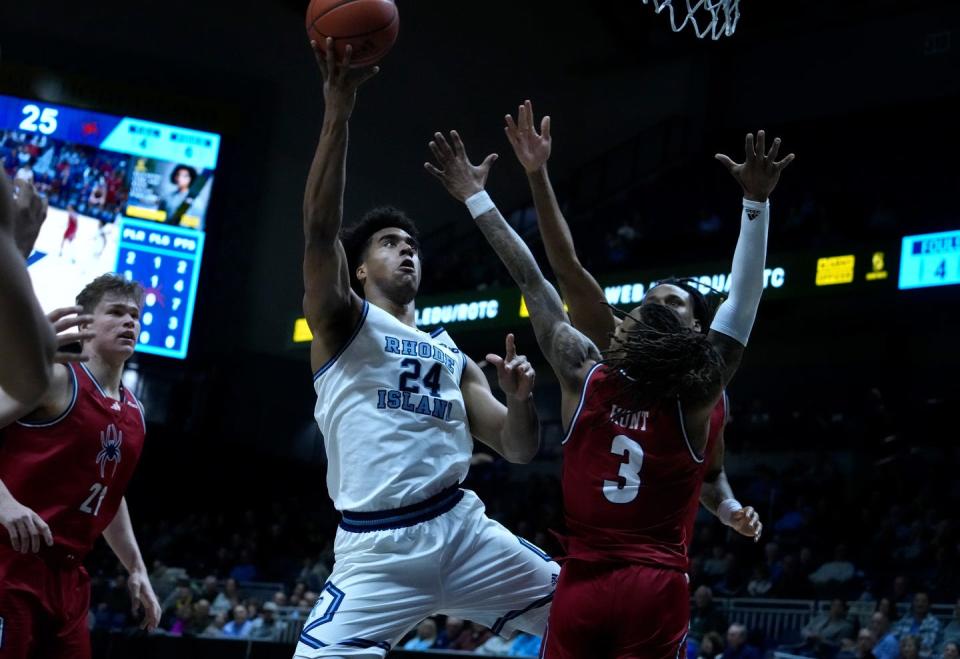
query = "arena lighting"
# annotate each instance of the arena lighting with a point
(833, 270)
(930, 259)
(446, 314)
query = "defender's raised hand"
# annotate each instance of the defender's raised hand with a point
(459, 176)
(340, 82)
(759, 173)
(514, 372)
(531, 148)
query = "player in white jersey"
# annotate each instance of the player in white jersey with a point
(399, 409)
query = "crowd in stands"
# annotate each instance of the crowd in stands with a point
(91, 181)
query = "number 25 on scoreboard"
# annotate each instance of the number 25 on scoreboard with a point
(37, 119)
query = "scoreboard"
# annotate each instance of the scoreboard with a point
(166, 261)
(126, 195)
(931, 259)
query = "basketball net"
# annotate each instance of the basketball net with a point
(718, 18)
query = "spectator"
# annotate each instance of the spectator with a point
(244, 570)
(240, 626)
(909, 647)
(280, 598)
(715, 566)
(839, 570)
(711, 646)
(199, 618)
(793, 584)
(216, 626)
(472, 637)
(921, 623)
(737, 647)
(180, 618)
(705, 617)
(525, 645)
(760, 584)
(887, 646)
(209, 589)
(425, 638)
(227, 599)
(951, 632)
(495, 646)
(863, 649)
(951, 650)
(450, 632)
(267, 627)
(774, 565)
(825, 633)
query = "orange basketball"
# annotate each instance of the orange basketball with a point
(370, 26)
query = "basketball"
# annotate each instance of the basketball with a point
(370, 26)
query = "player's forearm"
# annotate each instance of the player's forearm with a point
(736, 316)
(119, 535)
(27, 342)
(323, 198)
(582, 293)
(520, 437)
(542, 300)
(554, 229)
(716, 490)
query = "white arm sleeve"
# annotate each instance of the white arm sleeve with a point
(736, 315)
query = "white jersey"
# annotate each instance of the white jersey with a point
(392, 415)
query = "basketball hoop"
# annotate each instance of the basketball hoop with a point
(718, 18)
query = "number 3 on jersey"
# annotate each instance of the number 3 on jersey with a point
(627, 487)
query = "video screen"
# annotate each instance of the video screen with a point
(125, 195)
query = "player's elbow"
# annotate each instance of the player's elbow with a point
(522, 453)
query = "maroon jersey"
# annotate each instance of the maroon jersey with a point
(73, 470)
(631, 479)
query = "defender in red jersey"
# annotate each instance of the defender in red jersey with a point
(64, 468)
(590, 313)
(641, 422)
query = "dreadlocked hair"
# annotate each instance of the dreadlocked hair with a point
(659, 359)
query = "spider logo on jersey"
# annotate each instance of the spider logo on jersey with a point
(632, 420)
(110, 441)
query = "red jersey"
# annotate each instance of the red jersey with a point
(631, 479)
(73, 470)
(72, 223)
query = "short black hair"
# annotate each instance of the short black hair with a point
(356, 238)
(188, 169)
(704, 306)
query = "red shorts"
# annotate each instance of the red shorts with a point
(43, 607)
(615, 611)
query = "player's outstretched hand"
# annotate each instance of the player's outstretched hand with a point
(760, 171)
(25, 527)
(30, 210)
(459, 176)
(143, 597)
(747, 522)
(340, 82)
(514, 372)
(64, 319)
(531, 148)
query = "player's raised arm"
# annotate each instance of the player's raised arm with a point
(758, 176)
(26, 339)
(584, 296)
(570, 353)
(331, 307)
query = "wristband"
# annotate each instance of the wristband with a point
(726, 509)
(479, 203)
